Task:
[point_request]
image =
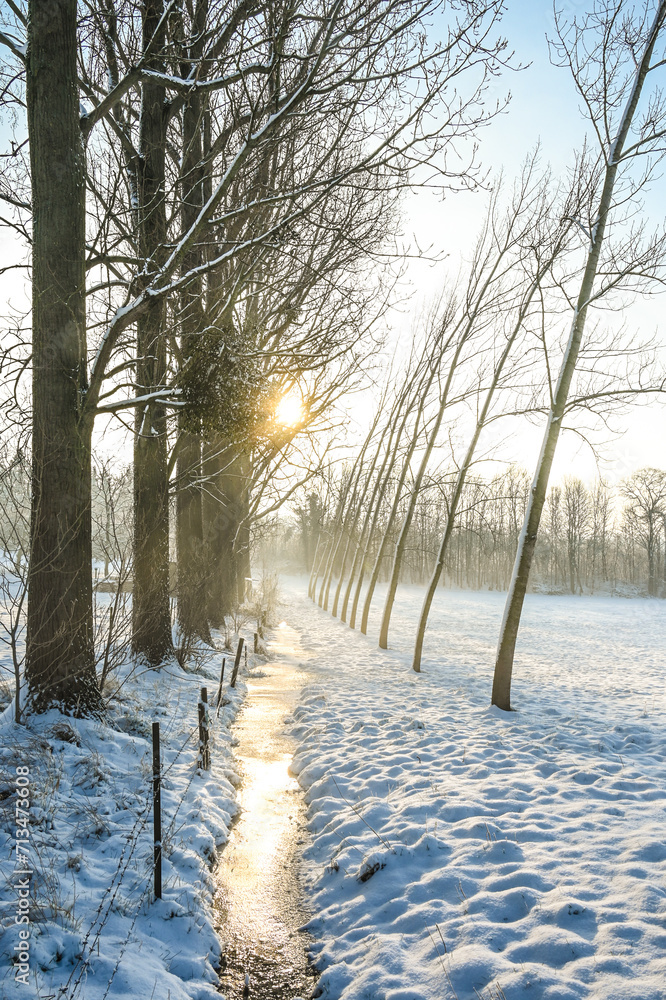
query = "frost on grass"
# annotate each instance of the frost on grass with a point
(96, 930)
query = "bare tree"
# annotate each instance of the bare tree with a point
(498, 274)
(610, 55)
(60, 664)
(388, 444)
(554, 532)
(577, 509)
(645, 492)
(295, 83)
(434, 348)
(520, 243)
(14, 541)
(601, 527)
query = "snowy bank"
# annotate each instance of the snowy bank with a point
(461, 852)
(94, 928)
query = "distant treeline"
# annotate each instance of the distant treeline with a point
(593, 538)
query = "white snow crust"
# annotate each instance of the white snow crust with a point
(462, 852)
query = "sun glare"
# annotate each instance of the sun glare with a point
(289, 410)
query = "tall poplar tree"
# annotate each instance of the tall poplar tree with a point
(60, 663)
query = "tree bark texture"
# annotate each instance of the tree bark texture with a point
(151, 612)
(60, 663)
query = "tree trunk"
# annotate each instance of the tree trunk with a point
(342, 522)
(411, 507)
(218, 602)
(192, 610)
(223, 509)
(374, 577)
(192, 562)
(315, 562)
(60, 661)
(151, 612)
(351, 544)
(320, 560)
(382, 482)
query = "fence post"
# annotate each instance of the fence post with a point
(256, 642)
(219, 690)
(241, 643)
(157, 812)
(204, 751)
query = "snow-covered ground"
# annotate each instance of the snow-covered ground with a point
(94, 929)
(457, 852)
(461, 852)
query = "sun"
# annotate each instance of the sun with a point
(290, 410)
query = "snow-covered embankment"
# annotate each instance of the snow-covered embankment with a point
(95, 929)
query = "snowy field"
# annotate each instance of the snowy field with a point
(460, 852)
(457, 853)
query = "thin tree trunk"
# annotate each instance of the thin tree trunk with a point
(459, 486)
(327, 557)
(411, 506)
(359, 509)
(391, 445)
(60, 662)
(315, 563)
(316, 569)
(343, 519)
(396, 499)
(223, 511)
(241, 548)
(213, 535)
(383, 480)
(501, 693)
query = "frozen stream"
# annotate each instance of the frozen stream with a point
(259, 897)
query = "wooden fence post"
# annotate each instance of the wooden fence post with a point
(157, 812)
(239, 651)
(204, 751)
(219, 690)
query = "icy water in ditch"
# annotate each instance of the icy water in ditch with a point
(259, 901)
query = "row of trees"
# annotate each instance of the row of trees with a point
(593, 539)
(205, 187)
(522, 332)
(208, 188)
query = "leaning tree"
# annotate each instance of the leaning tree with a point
(614, 55)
